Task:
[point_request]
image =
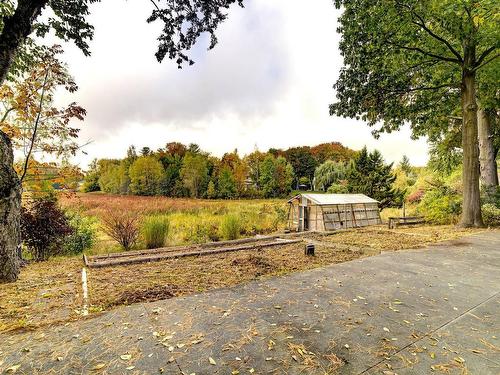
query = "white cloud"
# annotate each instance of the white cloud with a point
(267, 83)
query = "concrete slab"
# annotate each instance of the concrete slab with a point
(409, 312)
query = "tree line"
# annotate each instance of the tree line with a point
(179, 170)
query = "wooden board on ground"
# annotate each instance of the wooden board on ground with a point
(143, 256)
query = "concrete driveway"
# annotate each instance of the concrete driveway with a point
(432, 310)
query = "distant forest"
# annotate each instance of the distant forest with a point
(179, 170)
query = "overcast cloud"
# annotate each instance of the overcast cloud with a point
(267, 83)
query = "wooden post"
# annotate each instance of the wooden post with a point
(353, 217)
(338, 214)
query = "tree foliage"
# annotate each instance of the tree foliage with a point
(410, 62)
(29, 116)
(276, 176)
(329, 173)
(194, 174)
(369, 175)
(146, 174)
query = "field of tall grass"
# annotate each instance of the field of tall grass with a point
(173, 221)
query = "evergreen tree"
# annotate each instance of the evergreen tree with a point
(91, 180)
(369, 175)
(405, 165)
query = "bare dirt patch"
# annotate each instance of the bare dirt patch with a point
(198, 274)
(153, 293)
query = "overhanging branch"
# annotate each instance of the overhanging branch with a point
(421, 24)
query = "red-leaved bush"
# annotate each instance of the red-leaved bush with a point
(416, 196)
(43, 228)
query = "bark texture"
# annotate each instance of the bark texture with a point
(16, 29)
(471, 209)
(10, 212)
(487, 152)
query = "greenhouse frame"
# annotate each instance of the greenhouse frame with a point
(327, 212)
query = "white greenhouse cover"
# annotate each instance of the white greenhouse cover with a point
(324, 199)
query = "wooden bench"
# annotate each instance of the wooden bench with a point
(406, 220)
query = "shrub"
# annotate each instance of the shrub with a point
(491, 214)
(122, 226)
(491, 196)
(416, 196)
(83, 236)
(230, 227)
(440, 206)
(338, 189)
(43, 228)
(155, 231)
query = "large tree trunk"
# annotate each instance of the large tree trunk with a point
(471, 210)
(10, 206)
(16, 29)
(487, 152)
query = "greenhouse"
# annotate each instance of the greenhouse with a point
(326, 212)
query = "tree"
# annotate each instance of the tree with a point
(172, 164)
(91, 180)
(369, 175)
(406, 61)
(405, 165)
(329, 173)
(254, 161)
(332, 151)
(145, 151)
(29, 123)
(276, 176)
(211, 192)
(109, 176)
(303, 163)
(146, 174)
(194, 174)
(184, 22)
(227, 184)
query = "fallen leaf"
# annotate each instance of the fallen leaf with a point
(387, 329)
(12, 369)
(126, 357)
(130, 368)
(212, 361)
(98, 366)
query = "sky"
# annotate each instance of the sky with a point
(268, 83)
